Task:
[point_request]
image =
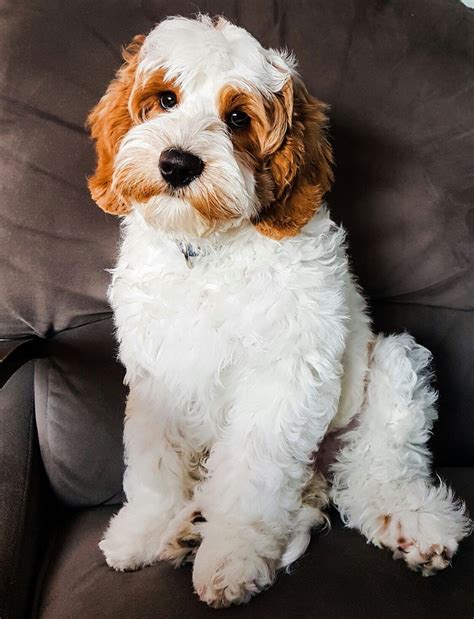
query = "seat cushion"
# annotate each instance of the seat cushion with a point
(340, 575)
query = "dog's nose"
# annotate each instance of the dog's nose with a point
(179, 168)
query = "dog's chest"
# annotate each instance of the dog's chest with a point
(243, 306)
(195, 323)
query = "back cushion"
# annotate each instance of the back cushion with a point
(399, 80)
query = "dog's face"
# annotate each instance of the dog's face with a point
(202, 129)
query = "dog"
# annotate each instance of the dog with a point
(246, 340)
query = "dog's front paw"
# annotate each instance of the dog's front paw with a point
(132, 539)
(228, 570)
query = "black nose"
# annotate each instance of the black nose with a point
(179, 168)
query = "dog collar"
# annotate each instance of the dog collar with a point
(189, 251)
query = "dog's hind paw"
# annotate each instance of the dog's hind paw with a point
(425, 541)
(182, 538)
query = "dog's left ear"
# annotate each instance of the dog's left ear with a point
(109, 121)
(299, 162)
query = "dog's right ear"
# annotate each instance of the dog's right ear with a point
(108, 122)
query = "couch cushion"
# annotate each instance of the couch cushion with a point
(80, 400)
(339, 576)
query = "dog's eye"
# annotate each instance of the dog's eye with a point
(167, 99)
(238, 119)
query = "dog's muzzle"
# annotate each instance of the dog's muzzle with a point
(179, 168)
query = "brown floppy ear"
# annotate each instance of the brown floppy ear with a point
(109, 121)
(300, 168)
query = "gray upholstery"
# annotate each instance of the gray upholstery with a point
(79, 410)
(339, 577)
(400, 81)
(19, 500)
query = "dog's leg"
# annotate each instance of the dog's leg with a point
(155, 482)
(252, 500)
(382, 483)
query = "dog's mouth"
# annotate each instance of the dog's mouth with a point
(179, 187)
(182, 192)
(133, 187)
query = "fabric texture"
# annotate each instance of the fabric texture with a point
(19, 500)
(80, 401)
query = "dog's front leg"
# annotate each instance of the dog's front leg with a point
(155, 481)
(253, 500)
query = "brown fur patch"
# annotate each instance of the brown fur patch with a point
(286, 147)
(385, 521)
(211, 206)
(268, 117)
(109, 121)
(144, 101)
(286, 218)
(245, 140)
(300, 167)
(182, 545)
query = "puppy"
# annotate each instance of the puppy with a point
(245, 338)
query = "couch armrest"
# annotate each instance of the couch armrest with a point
(20, 513)
(16, 352)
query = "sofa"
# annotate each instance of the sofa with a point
(398, 75)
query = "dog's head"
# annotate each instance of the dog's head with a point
(203, 128)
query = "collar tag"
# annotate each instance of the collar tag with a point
(188, 251)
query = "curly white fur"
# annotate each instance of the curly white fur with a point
(239, 366)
